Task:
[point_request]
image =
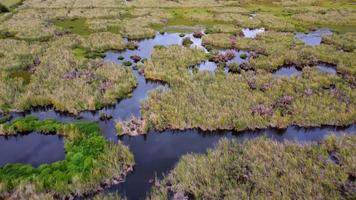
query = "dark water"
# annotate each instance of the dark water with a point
(34, 149)
(155, 153)
(313, 38)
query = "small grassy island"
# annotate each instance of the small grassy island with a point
(91, 163)
(265, 169)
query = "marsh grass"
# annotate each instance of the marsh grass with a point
(76, 25)
(72, 81)
(218, 101)
(11, 3)
(66, 74)
(263, 168)
(90, 160)
(3, 8)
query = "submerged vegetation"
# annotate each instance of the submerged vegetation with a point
(262, 168)
(91, 162)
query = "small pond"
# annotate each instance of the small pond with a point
(326, 68)
(34, 149)
(313, 38)
(288, 71)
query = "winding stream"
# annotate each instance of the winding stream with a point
(155, 153)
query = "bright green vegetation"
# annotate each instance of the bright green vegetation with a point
(62, 75)
(265, 169)
(76, 26)
(90, 160)
(219, 101)
(119, 128)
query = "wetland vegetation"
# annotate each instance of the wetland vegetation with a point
(115, 67)
(91, 162)
(264, 169)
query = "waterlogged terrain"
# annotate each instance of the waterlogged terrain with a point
(144, 83)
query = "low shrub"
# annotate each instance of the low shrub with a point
(234, 68)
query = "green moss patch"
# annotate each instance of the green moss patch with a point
(90, 160)
(25, 75)
(75, 25)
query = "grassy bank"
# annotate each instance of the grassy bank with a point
(265, 169)
(90, 162)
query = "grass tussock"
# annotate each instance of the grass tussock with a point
(263, 168)
(90, 160)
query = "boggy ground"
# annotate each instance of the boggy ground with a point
(264, 169)
(249, 100)
(54, 58)
(91, 163)
(59, 74)
(51, 54)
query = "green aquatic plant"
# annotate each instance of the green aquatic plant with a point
(243, 56)
(127, 63)
(263, 168)
(90, 160)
